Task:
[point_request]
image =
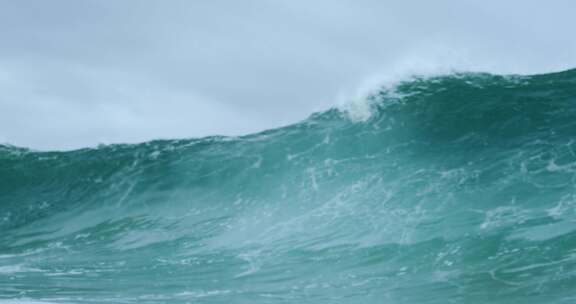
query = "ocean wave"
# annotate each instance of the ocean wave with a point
(438, 189)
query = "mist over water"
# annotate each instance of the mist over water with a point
(443, 189)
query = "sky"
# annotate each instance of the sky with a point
(79, 73)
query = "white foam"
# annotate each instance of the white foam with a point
(438, 60)
(24, 301)
(11, 269)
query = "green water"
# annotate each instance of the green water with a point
(457, 189)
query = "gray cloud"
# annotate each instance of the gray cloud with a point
(76, 73)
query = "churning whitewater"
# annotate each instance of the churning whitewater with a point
(456, 189)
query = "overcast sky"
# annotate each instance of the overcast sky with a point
(77, 73)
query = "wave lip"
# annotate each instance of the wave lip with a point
(455, 188)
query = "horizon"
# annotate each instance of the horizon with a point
(346, 109)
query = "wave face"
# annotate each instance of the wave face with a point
(457, 189)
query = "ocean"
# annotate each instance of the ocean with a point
(458, 188)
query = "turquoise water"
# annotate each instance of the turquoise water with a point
(457, 189)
